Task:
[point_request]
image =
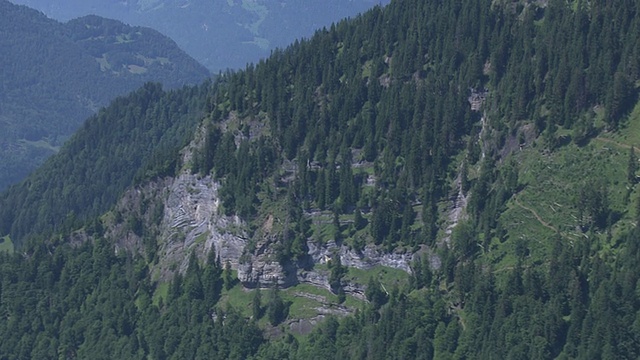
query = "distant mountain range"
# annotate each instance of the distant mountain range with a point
(220, 34)
(54, 75)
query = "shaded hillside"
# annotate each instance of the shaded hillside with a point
(55, 75)
(219, 34)
(491, 145)
(139, 134)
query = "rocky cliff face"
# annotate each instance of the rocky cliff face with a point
(182, 215)
(261, 267)
(371, 256)
(192, 222)
(178, 216)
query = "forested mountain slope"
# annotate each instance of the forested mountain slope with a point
(490, 143)
(221, 34)
(55, 75)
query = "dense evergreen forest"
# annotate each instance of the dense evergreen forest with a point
(55, 75)
(370, 119)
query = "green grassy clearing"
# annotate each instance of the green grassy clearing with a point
(240, 298)
(161, 293)
(43, 144)
(366, 69)
(259, 10)
(629, 133)
(386, 275)
(135, 69)
(6, 244)
(304, 299)
(547, 203)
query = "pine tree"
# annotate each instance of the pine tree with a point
(632, 167)
(338, 271)
(227, 276)
(211, 281)
(337, 231)
(192, 282)
(277, 310)
(375, 294)
(256, 304)
(618, 99)
(359, 222)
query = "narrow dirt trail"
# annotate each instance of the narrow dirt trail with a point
(613, 142)
(535, 214)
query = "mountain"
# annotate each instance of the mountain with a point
(55, 75)
(428, 180)
(219, 34)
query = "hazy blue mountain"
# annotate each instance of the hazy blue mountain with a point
(221, 33)
(54, 75)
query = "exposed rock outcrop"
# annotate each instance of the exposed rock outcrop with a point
(369, 257)
(191, 220)
(262, 268)
(179, 215)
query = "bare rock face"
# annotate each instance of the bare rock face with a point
(135, 207)
(261, 273)
(192, 222)
(262, 268)
(182, 215)
(371, 256)
(177, 216)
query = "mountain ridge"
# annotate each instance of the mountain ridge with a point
(55, 75)
(220, 34)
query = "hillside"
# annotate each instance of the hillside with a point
(219, 34)
(55, 75)
(430, 180)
